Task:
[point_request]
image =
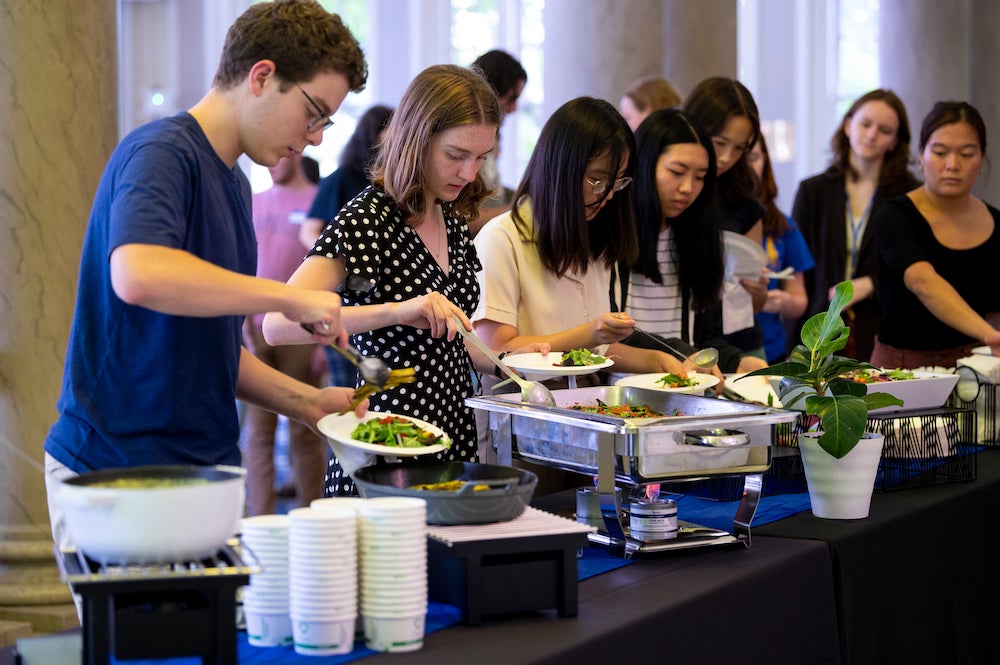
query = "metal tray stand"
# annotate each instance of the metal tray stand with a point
(707, 437)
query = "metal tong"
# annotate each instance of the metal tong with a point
(375, 374)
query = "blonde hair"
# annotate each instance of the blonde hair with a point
(652, 93)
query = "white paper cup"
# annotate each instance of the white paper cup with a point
(323, 637)
(267, 629)
(394, 634)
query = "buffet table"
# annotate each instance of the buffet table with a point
(912, 579)
(905, 585)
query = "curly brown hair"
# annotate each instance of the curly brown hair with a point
(299, 36)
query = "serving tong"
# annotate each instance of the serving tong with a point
(375, 374)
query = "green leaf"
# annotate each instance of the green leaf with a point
(843, 419)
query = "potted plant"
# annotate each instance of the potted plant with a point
(836, 413)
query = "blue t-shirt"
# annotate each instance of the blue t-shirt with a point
(789, 249)
(140, 387)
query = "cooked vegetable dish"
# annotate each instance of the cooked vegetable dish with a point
(580, 357)
(878, 376)
(447, 486)
(619, 411)
(148, 483)
(396, 431)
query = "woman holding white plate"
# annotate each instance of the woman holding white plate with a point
(937, 249)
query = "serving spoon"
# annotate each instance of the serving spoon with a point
(532, 392)
(705, 358)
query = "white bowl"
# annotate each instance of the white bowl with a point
(323, 637)
(394, 634)
(268, 629)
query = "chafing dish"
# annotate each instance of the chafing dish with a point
(706, 437)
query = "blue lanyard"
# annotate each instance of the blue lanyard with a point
(856, 229)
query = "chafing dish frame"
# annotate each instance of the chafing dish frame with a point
(637, 451)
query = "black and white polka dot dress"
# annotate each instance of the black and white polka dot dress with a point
(378, 245)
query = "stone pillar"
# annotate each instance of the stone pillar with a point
(957, 64)
(598, 48)
(699, 41)
(58, 118)
(984, 53)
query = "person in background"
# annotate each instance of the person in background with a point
(335, 190)
(546, 263)
(676, 282)
(937, 249)
(155, 363)
(278, 213)
(406, 236)
(785, 248)
(727, 111)
(508, 78)
(645, 96)
(350, 176)
(870, 165)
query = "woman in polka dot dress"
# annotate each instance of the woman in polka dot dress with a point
(406, 237)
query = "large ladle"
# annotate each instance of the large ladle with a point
(705, 358)
(532, 392)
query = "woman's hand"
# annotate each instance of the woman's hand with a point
(612, 327)
(431, 311)
(757, 288)
(775, 302)
(750, 363)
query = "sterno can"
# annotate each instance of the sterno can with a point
(653, 519)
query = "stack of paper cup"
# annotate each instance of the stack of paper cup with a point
(392, 541)
(323, 567)
(265, 600)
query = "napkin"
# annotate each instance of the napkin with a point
(987, 367)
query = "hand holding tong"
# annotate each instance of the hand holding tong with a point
(375, 374)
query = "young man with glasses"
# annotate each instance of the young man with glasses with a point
(155, 364)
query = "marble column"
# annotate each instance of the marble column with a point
(600, 47)
(699, 41)
(932, 51)
(58, 117)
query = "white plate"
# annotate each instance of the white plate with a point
(340, 426)
(926, 390)
(744, 257)
(538, 365)
(754, 388)
(982, 351)
(704, 382)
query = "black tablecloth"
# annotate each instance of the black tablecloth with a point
(768, 605)
(917, 580)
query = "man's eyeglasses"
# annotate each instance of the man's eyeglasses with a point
(598, 187)
(322, 120)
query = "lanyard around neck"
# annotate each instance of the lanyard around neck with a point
(856, 228)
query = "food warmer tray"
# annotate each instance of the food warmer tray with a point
(639, 451)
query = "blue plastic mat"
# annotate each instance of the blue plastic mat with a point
(715, 514)
(439, 616)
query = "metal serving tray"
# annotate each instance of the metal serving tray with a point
(637, 450)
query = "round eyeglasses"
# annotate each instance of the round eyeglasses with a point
(598, 187)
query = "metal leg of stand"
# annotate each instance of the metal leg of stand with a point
(748, 507)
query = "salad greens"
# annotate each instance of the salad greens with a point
(396, 431)
(581, 357)
(674, 381)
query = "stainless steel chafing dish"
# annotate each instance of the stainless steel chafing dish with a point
(708, 437)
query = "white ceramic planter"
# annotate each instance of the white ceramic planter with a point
(841, 488)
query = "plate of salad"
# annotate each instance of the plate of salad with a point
(554, 363)
(384, 433)
(695, 383)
